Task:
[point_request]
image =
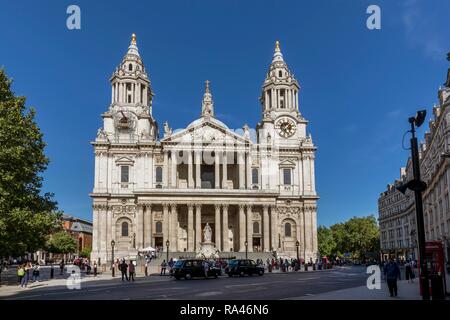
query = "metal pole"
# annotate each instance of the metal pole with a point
(419, 217)
(112, 262)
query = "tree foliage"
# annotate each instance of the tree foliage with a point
(26, 216)
(62, 242)
(85, 253)
(356, 237)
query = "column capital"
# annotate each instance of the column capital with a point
(217, 206)
(148, 205)
(266, 206)
(242, 206)
(198, 205)
(225, 206)
(249, 206)
(173, 206)
(165, 205)
(190, 206)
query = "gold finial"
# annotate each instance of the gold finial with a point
(133, 39)
(277, 45)
(207, 86)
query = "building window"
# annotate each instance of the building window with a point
(287, 176)
(158, 174)
(287, 230)
(130, 67)
(124, 229)
(255, 227)
(254, 176)
(280, 73)
(124, 174)
(158, 227)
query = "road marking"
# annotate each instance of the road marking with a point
(253, 284)
(208, 294)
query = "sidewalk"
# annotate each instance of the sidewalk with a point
(406, 291)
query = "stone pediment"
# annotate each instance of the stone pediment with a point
(206, 131)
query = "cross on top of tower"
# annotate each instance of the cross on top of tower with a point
(133, 39)
(207, 86)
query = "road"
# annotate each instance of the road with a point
(271, 286)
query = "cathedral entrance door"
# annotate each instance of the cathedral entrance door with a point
(159, 242)
(256, 244)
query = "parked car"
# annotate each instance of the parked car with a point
(192, 268)
(243, 267)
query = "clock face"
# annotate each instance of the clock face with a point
(124, 120)
(286, 127)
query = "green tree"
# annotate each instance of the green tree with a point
(357, 236)
(26, 215)
(326, 242)
(85, 253)
(62, 242)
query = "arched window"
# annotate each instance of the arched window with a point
(158, 227)
(287, 230)
(254, 176)
(130, 67)
(255, 227)
(280, 73)
(124, 229)
(159, 174)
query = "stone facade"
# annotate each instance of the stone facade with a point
(254, 187)
(397, 214)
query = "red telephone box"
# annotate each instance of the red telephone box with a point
(434, 251)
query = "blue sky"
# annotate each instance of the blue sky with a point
(358, 86)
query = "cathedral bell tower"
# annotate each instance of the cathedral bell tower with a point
(129, 118)
(281, 117)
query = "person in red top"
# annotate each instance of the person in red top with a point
(131, 271)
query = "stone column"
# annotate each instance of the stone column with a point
(249, 228)
(266, 234)
(217, 226)
(173, 183)
(165, 224)
(174, 229)
(241, 166)
(308, 233)
(140, 226)
(104, 230)
(273, 227)
(224, 171)
(190, 170)
(242, 227)
(190, 227)
(166, 169)
(198, 226)
(95, 238)
(198, 159)
(314, 230)
(302, 233)
(148, 223)
(217, 169)
(311, 168)
(226, 241)
(249, 170)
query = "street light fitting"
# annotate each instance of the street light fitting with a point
(419, 118)
(113, 243)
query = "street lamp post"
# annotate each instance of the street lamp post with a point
(246, 250)
(113, 243)
(418, 187)
(167, 251)
(297, 244)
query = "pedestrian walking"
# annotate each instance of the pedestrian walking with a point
(61, 267)
(52, 271)
(131, 271)
(409, 273)
(95, 268)
(36, 270)
(171, 263)
(146, 268)
(123, 269)
(205, 268)
(20, 273)
(26, 277)
(392, 273)
(163, 267)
